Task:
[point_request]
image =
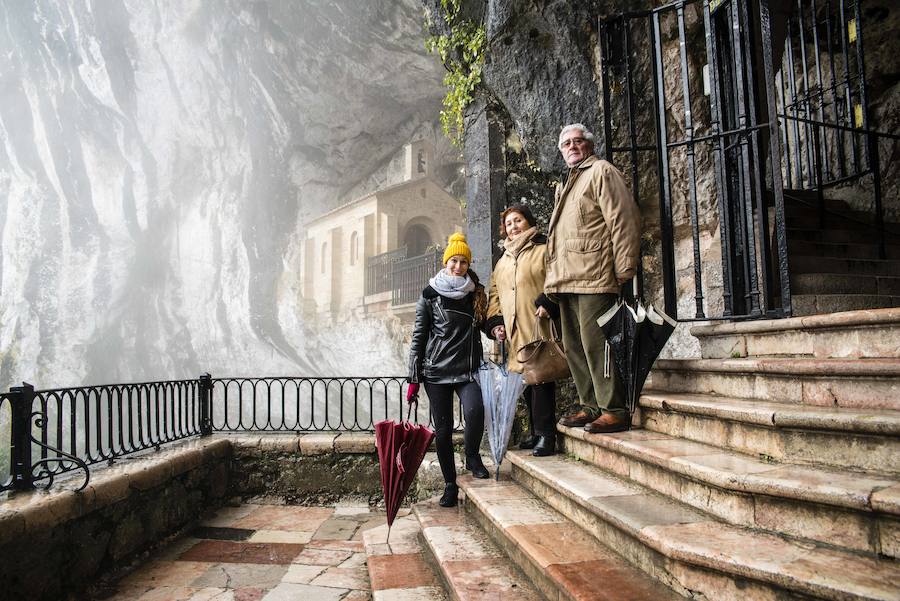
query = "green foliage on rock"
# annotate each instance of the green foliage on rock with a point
(462, 52)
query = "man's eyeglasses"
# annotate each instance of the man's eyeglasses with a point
(571, 141)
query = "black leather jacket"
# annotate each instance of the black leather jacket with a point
(446, 340)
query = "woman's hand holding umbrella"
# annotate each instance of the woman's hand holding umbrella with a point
(412, 393)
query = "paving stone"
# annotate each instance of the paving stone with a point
(322, 557)
(356, 560)
(249, 594)
(336, 529)
(241, 575)
(349, 578)
(280, 536)
(342, 545)
(425, 593)
(226, 516)
(358, 596)
(302, 574)
(288, 591)
(278, 517)
(166, 573)
(240, 552)
(405, 571)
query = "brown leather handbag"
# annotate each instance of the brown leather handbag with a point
(543, 359)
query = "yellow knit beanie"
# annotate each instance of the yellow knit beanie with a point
(456, 245)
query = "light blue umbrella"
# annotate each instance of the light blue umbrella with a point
(500, 390)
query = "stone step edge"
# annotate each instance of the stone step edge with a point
(450, 584)
(878, 367)
(828, 321)
(404, 540)
(612, 560)
(756, 483)
(714, 557)
(776, 415)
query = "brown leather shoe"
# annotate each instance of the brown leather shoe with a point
(605, 424)
(576, 420)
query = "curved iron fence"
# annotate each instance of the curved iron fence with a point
(47, 433)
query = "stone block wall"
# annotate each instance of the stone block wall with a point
(56, 543)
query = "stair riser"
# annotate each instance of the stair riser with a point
(817, 304)
(844, 251)
(681, 577)
(861, 392)
(825, 283)
(533, 572)
(882, 341)
(858, 531)
(436, 567)
(841, 236)
(839, 449)
(818, 264)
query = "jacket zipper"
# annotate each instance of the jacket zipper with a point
(471, 341)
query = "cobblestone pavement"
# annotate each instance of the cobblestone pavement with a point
(262, 553)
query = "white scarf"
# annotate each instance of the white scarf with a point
(451, 286)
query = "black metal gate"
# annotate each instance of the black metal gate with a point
(723, 132)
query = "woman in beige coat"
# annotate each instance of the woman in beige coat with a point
(516, 298)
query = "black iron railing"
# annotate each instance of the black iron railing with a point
(47, 433)
(411, 275)
(379, 269)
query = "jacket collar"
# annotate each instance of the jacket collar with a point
(574, 172)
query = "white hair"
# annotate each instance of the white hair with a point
(585, 133)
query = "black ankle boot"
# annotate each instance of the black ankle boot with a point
(545, 446)
(450, 496)
(478, 470)
(528, 443)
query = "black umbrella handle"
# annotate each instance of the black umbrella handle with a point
(413, 403)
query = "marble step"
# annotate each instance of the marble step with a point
(694, 553)
(845, 438)
(855, 511)
(867, 333)
(471, 565)
(397, 566)
(561, 559)
(816, 304)
(844, 283)
(852, 383)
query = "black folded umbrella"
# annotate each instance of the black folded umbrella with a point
(636, 336)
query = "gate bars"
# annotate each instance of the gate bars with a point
(728, 133)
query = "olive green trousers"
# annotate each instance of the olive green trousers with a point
(599, 386)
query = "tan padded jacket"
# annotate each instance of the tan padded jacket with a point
(595, 232)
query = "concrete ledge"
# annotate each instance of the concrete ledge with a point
(801, 366)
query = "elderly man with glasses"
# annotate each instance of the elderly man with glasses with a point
(592, 250)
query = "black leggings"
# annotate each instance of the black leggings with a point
(440, 397)
(540, 400)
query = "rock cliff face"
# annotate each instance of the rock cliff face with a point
(157, 160)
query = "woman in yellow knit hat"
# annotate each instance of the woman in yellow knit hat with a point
(444, 355)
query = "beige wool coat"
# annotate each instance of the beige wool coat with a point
(517, 286)
(594, 236)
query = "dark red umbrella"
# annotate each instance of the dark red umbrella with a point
(401, 448)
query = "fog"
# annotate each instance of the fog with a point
(158, 160)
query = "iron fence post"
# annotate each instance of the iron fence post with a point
(205, 405)
(21, 398)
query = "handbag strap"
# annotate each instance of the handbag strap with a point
(537, 328)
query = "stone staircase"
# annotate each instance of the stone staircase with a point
(767, 469)
(835, 266)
